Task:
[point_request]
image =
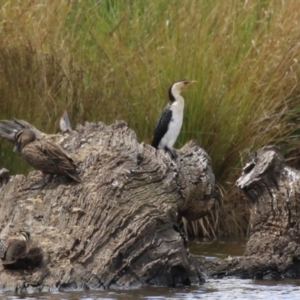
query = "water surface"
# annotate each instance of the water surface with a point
(214, 289)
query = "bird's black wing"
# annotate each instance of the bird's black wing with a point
(162, 125)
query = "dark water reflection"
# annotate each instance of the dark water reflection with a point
(228, 288)
(218, 248)
(213, 289)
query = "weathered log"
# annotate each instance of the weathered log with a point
(273, 248)
(118, 228)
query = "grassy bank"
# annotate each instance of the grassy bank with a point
(108, 60)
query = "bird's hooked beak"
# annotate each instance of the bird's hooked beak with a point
(17, 146)
(189, 82)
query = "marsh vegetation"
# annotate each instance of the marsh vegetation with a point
(112, 59)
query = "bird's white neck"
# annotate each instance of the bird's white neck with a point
(179, 100)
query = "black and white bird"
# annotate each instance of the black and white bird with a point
(169, 123)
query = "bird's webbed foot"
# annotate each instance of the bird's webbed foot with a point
(39, 184)
(172, 153)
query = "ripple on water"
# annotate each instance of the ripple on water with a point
(213, 289)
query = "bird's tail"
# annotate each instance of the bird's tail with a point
(64, 123)
(74, 175)
(155, 143)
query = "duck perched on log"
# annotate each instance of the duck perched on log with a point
(20, 253)
(45, 156)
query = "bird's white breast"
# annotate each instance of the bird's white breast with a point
(175, 124)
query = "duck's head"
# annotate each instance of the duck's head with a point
(25, 235)
(23, 138)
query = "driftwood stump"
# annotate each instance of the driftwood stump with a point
(273, 249)
(118, 228)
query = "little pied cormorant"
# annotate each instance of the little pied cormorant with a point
(170, 121)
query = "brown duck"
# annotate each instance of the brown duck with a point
(45, 156)
(20, 253)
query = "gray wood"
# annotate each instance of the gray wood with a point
(273, 248)
(118, 228)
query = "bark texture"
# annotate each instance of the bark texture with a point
(118, 228)
(273, 249)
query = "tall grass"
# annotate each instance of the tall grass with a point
(112, 59)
